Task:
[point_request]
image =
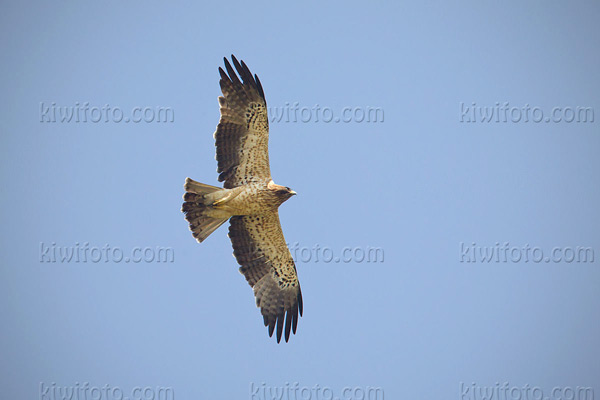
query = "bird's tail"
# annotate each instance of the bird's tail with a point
(196, 210)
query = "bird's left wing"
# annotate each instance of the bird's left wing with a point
(260, 248)
(242, 135)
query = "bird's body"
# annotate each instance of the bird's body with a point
(249, 200)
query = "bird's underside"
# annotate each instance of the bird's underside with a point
(249, 199)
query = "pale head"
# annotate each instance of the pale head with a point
(282, 192)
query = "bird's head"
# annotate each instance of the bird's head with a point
(282, 192)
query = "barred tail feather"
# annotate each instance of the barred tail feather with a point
(195, 210)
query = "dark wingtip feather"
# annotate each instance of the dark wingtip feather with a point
(232, 75)
(295, 319)
(245, 68)
(226, 62)
(260, 88)
(271, 327)
(288, 324)
(237, 65)
(279, 326)
(248, 75)
(223, 74)
(244, 72)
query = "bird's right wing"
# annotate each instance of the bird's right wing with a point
(260, 248)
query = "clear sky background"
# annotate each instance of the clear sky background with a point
(416, 185)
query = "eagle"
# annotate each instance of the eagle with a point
(249, 199)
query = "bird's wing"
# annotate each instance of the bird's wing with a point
(242, 136)
(260, 248)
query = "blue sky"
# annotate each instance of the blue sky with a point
(420, 185)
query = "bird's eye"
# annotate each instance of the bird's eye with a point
(288, 189)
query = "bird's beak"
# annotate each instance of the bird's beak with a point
(293, 193)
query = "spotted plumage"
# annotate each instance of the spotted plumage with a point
(249, 199)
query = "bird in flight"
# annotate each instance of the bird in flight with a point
(249, 199)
